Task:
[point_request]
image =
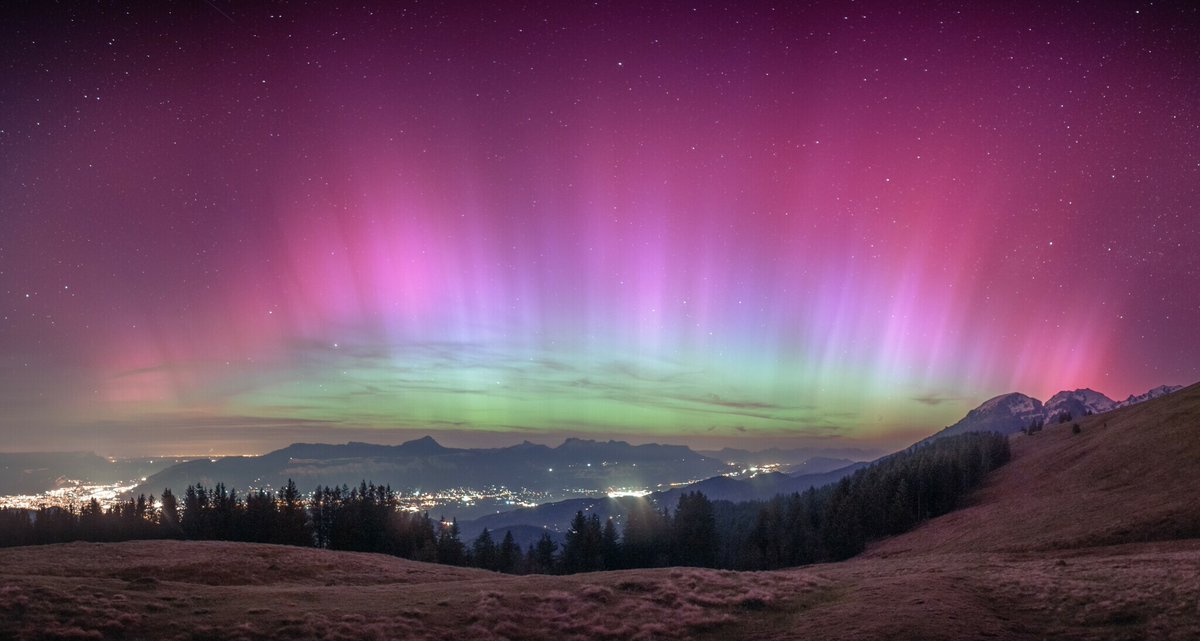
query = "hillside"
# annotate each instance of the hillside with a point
(1130, 475)
(199, 591)
(757, 488)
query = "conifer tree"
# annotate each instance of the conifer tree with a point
(450, 548)
(610, 547)
(168, 520)
(543, 555)
(484, 552)
(509, 554)
(695, 532)
(575, 549)
(293, 528)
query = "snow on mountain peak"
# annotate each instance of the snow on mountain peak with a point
(1078, 402)
(1009, 413)
(1161, 390)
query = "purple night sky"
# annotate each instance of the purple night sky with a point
(229, 226)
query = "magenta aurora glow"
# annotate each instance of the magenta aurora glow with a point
(235, 226)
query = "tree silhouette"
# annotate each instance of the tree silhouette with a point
(450, 548)
(484, 552)
(168, 520)
(543, 559)
(695, 532)
(509, 554)
(292, 525)
(610, 547)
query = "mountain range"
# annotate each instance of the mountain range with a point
(576, 467)
(1010, 413)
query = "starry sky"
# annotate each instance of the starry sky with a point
(229, 226)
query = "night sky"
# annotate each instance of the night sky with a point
(230, 226)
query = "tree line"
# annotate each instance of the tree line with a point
(830, 523)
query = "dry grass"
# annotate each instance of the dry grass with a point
(1122, 592)
(1129, 476)
(193, 591)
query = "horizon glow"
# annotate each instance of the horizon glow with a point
(829, 225)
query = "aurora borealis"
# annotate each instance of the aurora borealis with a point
(238, 225)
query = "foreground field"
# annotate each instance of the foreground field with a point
(203, 590)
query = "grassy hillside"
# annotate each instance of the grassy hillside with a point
(1129, 475)
(191, 591)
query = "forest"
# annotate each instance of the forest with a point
(829, 523)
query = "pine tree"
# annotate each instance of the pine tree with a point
(450, 548)
(509, 555)
(258, 521)
(900, 510)
(610, 547)
(575, 548)
(544, 559)
(91, 517)
(168, 520)
(292, 528)
(695, 532)
(195, 502)
(484, 552)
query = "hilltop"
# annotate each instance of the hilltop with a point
(1013, 412)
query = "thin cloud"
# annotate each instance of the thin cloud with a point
(934, 399)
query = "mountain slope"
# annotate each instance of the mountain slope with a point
(1130, 475)
(757, 488)
(1012, 413)
(1077, 403)
(1006, 414)
(1161, 390)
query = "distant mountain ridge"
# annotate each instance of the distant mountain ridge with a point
(1013, 412)
(799, 456)
(1161, 390)
(37, 472)
(575, 467)
(555, 517)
